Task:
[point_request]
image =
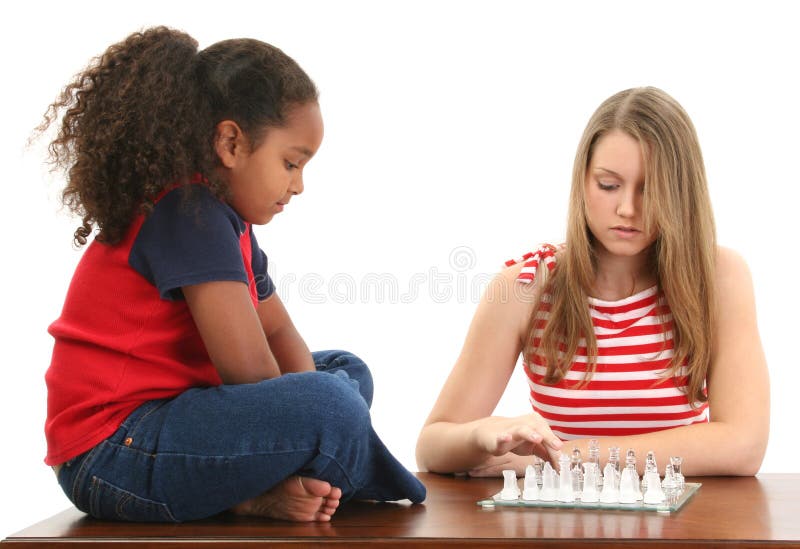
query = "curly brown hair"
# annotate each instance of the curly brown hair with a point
(143, 115)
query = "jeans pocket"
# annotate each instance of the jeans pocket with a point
(107, 501)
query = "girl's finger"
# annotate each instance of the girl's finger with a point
(547, 436)
(530, 434)
(554, 442)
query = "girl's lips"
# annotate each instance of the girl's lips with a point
(625, 232)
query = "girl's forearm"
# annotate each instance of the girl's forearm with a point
(290, 351)
(445, 447)
(713, 448)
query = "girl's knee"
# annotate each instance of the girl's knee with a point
(336, 361)
(335, 401)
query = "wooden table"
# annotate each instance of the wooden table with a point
(745, 512)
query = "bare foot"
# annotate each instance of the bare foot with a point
(299, 499)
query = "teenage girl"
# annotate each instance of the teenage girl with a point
(639, 329)
(179, 387)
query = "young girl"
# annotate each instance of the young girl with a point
(640, 329)
(179, 387)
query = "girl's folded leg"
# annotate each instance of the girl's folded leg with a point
(342, 362)
(210, 449)
(387, 479)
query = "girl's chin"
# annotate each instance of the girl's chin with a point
(624, 248)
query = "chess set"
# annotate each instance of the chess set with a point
(581, 485)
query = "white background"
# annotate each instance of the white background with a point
(450, 133)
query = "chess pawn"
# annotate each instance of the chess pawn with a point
(630, 458)
(613, 458)
(653, 495)
(676, 463)
(538, 465)
(577, 473)
(649, 465)
(650, 462)
(565, 488)
(670, 486)
(628, 483)
(589, 493)
(530, 491)
(669, 477)
(549, 488)
(610, 493)
(630, 463)
(510, 488)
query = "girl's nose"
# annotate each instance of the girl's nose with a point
(297, 184)
(626, 206)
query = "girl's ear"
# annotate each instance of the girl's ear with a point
(229, 143)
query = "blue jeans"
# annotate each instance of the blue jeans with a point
(209, 449)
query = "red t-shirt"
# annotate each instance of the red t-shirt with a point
(125, 334)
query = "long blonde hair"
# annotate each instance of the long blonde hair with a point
(675, 204)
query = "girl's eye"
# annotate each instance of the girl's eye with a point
(290, 166)
(607, 186)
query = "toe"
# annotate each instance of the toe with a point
(332, 503)
(313, 486)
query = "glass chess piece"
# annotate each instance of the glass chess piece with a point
(649, 465)
(510, 488)
(538, 466)
(628, 483)
(676, 462)
(654, 494)
(613, 458)
(610, 492)
(549, 483)
(589, 494)
(577, 473)
(594, 457)
(530, 491)
(630, 463)
(566, 492)
(670, 486)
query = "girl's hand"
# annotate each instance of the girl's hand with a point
(522, 435)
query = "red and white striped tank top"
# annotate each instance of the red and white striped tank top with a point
(628, 393)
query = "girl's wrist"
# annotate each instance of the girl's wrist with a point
(475, 447)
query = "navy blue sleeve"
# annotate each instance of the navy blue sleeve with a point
(185, 242)
(264, 285)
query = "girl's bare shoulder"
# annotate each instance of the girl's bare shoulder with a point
(732, 271)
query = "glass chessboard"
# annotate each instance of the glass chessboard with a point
(690, 488)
